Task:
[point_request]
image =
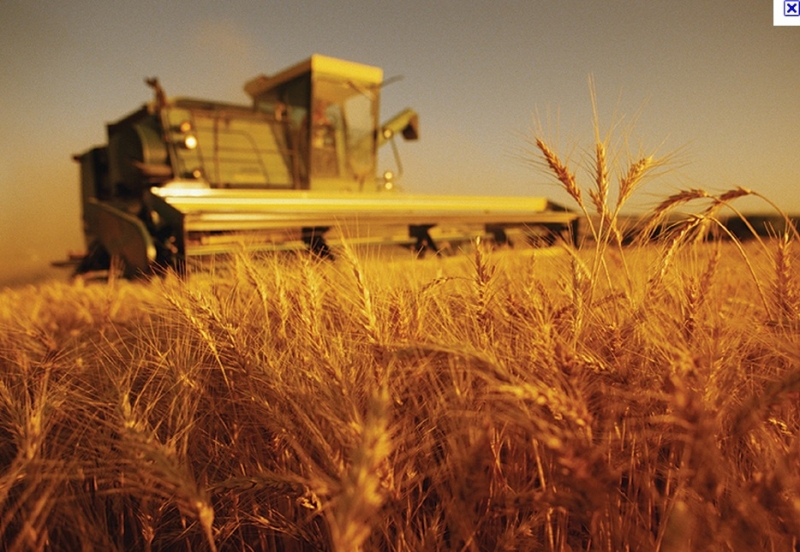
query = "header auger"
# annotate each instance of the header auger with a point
(182, 178)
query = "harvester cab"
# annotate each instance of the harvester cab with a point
(329, 108)
(182, 178)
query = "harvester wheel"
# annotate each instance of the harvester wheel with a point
(95, 260)
(424, 240)
(500, 236)
(314, 238)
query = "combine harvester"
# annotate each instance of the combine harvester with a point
(182, 179)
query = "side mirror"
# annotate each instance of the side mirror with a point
(405, 122)
(411, 130)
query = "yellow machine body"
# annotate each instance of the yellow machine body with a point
(182, 178)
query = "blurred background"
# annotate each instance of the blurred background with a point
(713, 83)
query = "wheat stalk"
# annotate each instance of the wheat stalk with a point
(484, 274)
(784, 289)
(199, 325)
(369, 320)
(583, 422)
(362, 492)
(633, 177)
(660, 212)
(600, 194)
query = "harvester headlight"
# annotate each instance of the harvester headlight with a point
(388, 180)
(190, 142)
(387, 133)
(185, 126)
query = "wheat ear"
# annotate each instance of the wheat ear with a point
(566, 178)
(660, 212)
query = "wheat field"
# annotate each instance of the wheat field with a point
(639, 397)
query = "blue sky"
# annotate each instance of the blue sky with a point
(713, 81)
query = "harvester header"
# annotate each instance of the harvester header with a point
(182, 177)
